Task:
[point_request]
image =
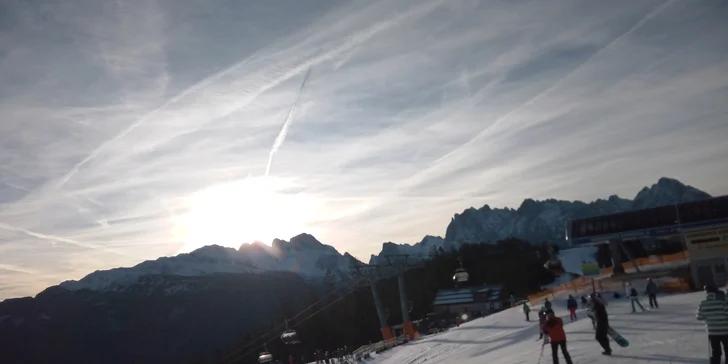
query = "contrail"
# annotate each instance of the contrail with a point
(284, 129)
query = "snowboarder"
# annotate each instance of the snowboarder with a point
(527, 311)
(541, 321)
(714, 312)
(572, 305)
(554, 328)
(635, 298)
(602, 323)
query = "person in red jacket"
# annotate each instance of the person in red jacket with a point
(554, 328)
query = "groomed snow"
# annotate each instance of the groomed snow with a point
(670, 334)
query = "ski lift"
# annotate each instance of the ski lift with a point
(461, 275)
(265, 357)
(290, 337)
(554, 264)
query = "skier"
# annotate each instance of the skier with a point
(584, 302)
(572, 305)
(526, 311)
(547, 303)
(554, 328)
(714, 311)
(541, 321)
(602, 323)
(651, 291)
(634, 297)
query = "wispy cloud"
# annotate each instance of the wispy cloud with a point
(129, 127)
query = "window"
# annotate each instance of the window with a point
(589, 227)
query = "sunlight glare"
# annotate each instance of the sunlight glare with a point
(244, 211)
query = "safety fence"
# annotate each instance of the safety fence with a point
(601, 283)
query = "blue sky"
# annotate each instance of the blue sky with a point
(135, 129)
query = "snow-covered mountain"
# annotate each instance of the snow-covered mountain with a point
(538, 221)
(303, 255)
(421, 250)
(534, 221)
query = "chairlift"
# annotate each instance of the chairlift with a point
(460, 276)
(290, 337)
(265, 357)
(554, 266)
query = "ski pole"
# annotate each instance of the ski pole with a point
(541, 355)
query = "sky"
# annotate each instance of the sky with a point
(134, 129)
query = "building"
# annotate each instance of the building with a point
(475, 301)
(700, 226)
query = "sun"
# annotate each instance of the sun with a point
(243, 212)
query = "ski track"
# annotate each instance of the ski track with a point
(670, 334)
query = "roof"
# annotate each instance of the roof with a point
(467, 295)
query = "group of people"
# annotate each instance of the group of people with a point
(552, 326)
(335, 356)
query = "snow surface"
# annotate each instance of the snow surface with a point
(670, 334)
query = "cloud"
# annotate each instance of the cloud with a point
(118, 115)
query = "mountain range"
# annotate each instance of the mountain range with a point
(534, 221)
(188, 305)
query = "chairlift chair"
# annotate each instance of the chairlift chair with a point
(290, 337)
(265, 357)
(554, 266)
(460, 276)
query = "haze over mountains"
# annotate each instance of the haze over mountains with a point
(534, 221)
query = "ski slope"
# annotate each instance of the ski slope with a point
(670, 334)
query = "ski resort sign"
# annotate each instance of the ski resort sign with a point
(707, 243)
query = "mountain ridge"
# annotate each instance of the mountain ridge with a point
(536, 221)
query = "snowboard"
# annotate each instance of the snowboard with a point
(617, 337)
(612, 333)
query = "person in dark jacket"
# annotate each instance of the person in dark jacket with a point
(547, 303)
(554, 328)
(635, 298)
(527, 311)
(584, 302)
(541, 321)
(651, 291)
(602, 320)
(714, 311)
(572, 305)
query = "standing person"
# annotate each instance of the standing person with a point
(513, 300)
(527, 311)
(290, 359)
(635, 298)
(547, 303)
(554, 328)
(541, 321)
(572, 305)
(651, 291)
(714, 311)
(602, 323)
(584, 302)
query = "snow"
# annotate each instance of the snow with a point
(670, 334)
